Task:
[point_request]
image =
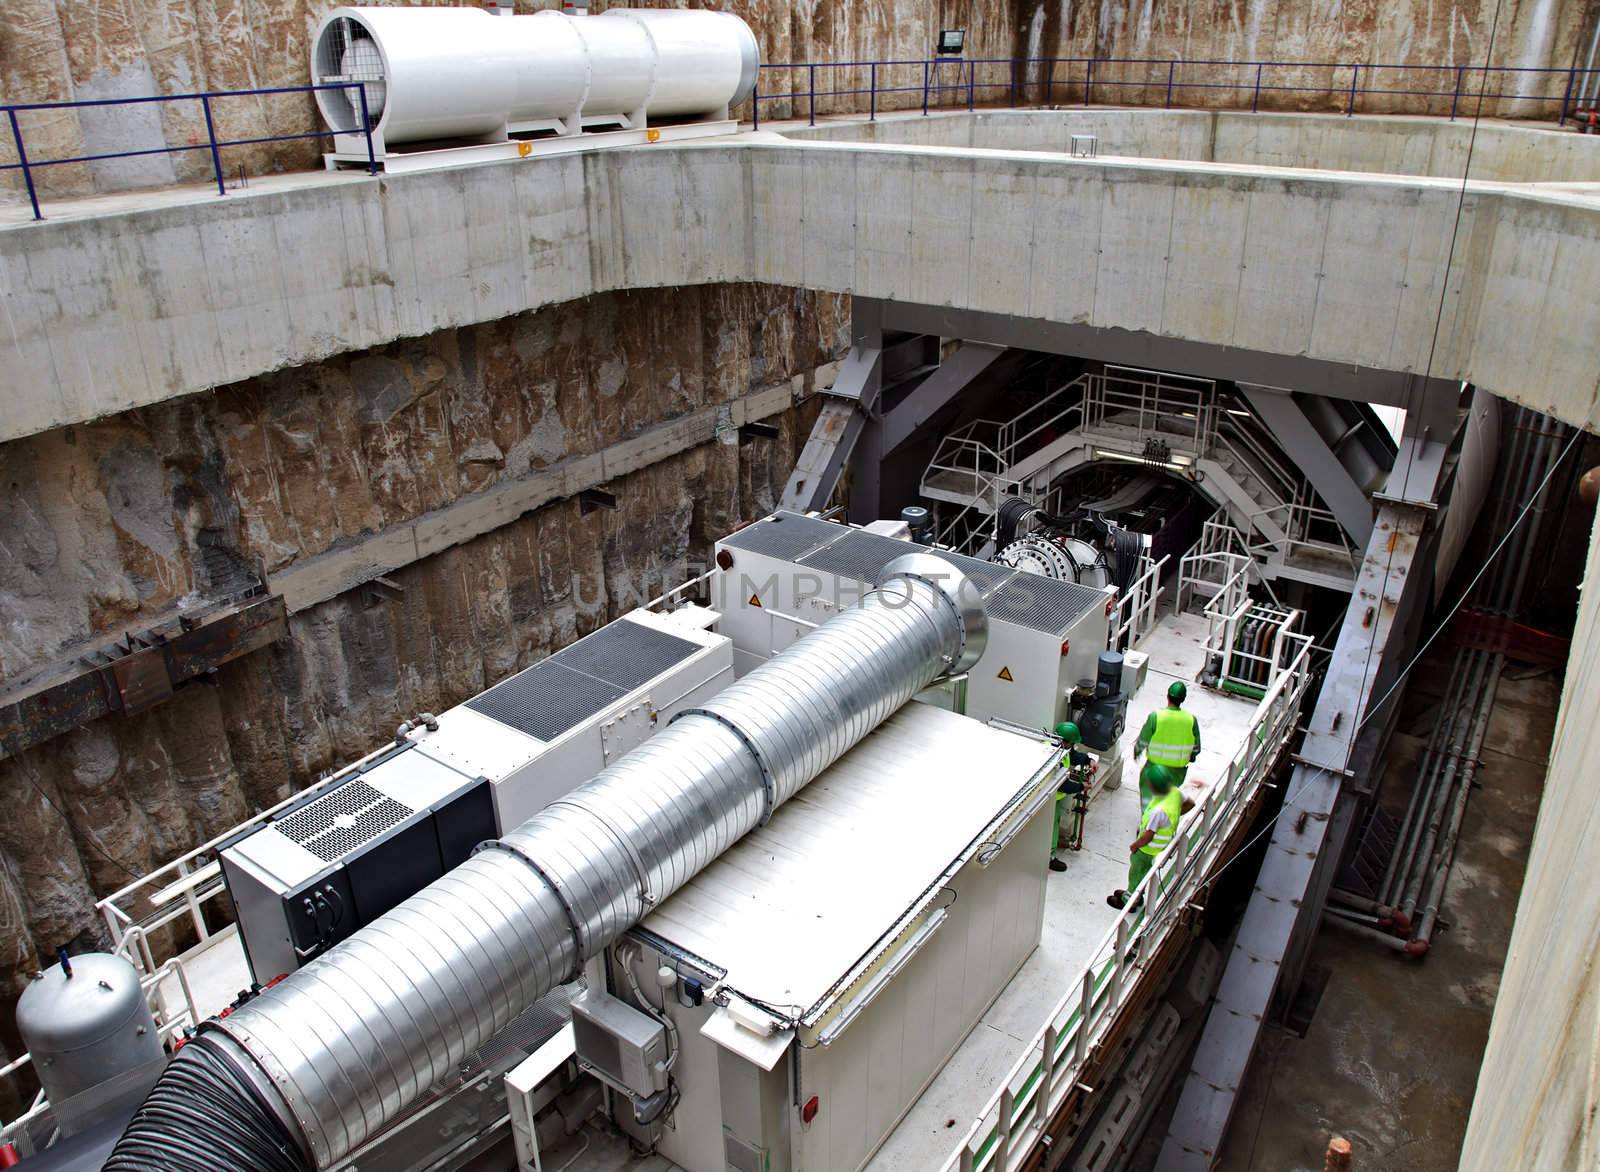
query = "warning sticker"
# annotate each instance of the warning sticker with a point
(755, 600)
(1005, 674)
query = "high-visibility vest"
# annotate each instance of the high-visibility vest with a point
(1174, 739)
(1172, 803)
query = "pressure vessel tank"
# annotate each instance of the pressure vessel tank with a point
(91, 1036)
(433, 74)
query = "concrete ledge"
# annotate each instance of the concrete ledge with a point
(117, 310)
(1390, 144)
(313, 580)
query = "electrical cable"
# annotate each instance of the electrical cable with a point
(72, 830)
(1322, 770)
(1400, 677)
(1420, 387)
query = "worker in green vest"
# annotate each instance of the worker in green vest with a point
(1157, 826)
(1078, 764)
(1170, 738)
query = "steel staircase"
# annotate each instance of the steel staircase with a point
(1188, 427)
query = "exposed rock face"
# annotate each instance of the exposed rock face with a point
(1541, 34)
(108, 526)
(131, 48)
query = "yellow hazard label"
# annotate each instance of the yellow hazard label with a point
(1005, 674)
(755, 600)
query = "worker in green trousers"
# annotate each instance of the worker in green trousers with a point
(1077, 763)
(1157, 827)
(1170, 738)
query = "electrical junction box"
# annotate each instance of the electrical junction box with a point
(1135, 669)
(622, 1046)
(781, 576)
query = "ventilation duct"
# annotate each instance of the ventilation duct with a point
(332, 1054)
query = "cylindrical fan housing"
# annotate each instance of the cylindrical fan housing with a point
(450, 73)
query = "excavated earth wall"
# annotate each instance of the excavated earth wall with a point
(110, 526)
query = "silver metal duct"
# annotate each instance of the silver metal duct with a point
(354, 1037)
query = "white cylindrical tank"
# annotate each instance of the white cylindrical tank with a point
(450, 73)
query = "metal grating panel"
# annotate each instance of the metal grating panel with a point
(986, 576)
(785, 536)
(1042, 604)
(858, 556)
(546, 700)
(626, 654)
(337, 823)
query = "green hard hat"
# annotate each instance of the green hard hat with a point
(1177, 693)
(1068, 732)
(1156, 776)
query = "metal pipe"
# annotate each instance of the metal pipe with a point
(344, 1045)
(1532, 462)
(1551, 449)
(1365, 932)
(1436, 814)
(1395, 873)
(1447, 849)
(1589, 88)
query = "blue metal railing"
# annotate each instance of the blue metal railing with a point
(930, 79)
(1081, 77)
(213, 144)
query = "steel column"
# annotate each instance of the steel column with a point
(1304, 445)
(1300, 851)
(849, 405)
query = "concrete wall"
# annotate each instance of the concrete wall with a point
(1537, 1098)
(116, 311)
(1385, 144)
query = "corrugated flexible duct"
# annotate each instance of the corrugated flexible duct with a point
(342, 1046)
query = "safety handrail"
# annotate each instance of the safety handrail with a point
(1050, 81)
(1135, 613)
(28, 165)
(1009, 1126)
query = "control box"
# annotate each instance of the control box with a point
(622, 1046)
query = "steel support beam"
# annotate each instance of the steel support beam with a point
(1419, 463)
(937, 391)
(1155, 352)
(846, 410)
(138, 672)
(1304, 445)
(1306, 834)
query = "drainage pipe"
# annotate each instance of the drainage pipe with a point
(1447, 849)
(1436, 815)
(1395, 873)
(339, 1049)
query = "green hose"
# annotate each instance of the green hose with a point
(1249, 690)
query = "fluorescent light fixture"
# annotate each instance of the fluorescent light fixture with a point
(1175, 464)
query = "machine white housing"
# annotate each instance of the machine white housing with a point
(548, 729)
(435, 74)
(846, 949)
(386, 828)
(788, 572)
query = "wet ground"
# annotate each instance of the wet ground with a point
(1391, 1058)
